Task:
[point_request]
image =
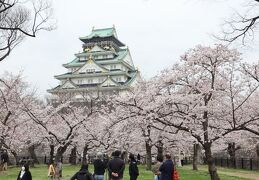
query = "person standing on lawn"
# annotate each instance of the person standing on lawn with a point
(83, 174)
(99, 167)
(166, 168)
(155, 168)
(116, 167)
(24, 174)
(133, 168)
(51, 171)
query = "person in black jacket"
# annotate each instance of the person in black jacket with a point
(166, 168)
(116, 167)
(133, 168)
(24, 174)
(99, 167)
(83, 174)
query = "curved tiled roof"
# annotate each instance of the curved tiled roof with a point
(106, 32)
(121, 54)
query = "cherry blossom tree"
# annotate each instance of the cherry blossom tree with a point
(204, 96)
(15, 124)
(134, 113)
(62, 124)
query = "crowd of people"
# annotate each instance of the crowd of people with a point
(115, 168)
(163, 170)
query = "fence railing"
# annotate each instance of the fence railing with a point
(239, 163)
(46, 159)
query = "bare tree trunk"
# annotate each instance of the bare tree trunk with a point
(211, 164)
(84, 160)
(148, 156)
(232, 153)
(31, 150)
(51, 154)
(124, 156)
(195, 157)
(15, 157)
(58, 159)
(207, 146)
(60, 151)
(160, 148)
(257, 153)
(72, 158)
(1, 144)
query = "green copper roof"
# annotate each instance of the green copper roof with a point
(134, 76)
(76, 62)
(98, 88)
(106, 32)
(85, 75)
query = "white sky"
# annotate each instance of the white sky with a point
(156, 31)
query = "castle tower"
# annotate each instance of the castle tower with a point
(103, 67)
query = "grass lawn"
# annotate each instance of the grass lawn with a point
(186, 173)
(40, 173)
(248, 174)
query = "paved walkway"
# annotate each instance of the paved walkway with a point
(252, 175)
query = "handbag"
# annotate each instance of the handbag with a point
(175, 175)
(156, 177)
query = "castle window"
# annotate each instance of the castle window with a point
(100, 80)
(90, 70)
(113, 66)
(90, 81)
(118, 79)
(79, 81)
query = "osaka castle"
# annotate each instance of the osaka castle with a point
(103, 67)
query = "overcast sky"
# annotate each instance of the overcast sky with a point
(156, 31)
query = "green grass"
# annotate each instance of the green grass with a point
(186, 173)
(224, 173)
(40, 173)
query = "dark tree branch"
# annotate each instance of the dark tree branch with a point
(17, 20)
(241, 27)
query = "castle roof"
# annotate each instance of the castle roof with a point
(105, 32)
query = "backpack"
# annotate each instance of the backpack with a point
(85, 176)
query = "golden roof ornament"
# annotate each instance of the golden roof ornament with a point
(90, 58)
(87, 49)
(106, 47)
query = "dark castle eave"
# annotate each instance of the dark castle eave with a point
(100, 39)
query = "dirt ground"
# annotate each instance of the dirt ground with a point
(248, 175)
